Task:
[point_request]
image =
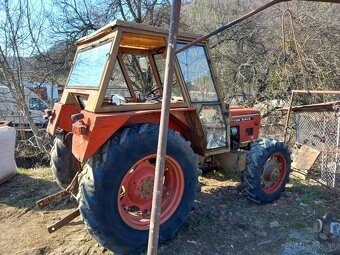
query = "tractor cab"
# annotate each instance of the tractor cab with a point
(119, 70)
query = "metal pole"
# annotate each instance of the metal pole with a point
(337, 92)
(163, 130)
(288, 116)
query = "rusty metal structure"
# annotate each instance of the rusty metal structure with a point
(318, 126)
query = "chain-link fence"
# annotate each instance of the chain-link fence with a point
(320, 129)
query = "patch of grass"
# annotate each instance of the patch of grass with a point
(295, 177)
(28, 186)
(22, 171)
(298, 225)
(223, 175)
(310, 196)
(296, 189)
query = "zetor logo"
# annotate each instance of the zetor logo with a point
(242, 119)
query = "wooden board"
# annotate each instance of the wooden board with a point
(304, 158)
(145, 42)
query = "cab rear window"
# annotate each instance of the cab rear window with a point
(89, 66)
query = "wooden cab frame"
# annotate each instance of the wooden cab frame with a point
(132, 38)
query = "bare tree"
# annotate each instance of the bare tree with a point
(20, 31)
(255, 62)
(151, 12)
(73, 19)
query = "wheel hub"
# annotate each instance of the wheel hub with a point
(271, 172)
(146, 188)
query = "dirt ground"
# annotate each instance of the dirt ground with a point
(224, 222)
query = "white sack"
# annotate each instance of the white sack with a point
(8, 167)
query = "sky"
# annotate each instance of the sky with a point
(37, 8)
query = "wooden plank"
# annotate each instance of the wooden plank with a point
(132, 51)
(93, 42)
(84, 91)
(304, 158)
(329, 106)
(138, 41)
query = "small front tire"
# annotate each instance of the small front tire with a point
(267, 170)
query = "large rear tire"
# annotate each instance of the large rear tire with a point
(63, 163)
(267, 170)
(115, 190)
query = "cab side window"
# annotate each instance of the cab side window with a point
(141, 75)
(117, 84)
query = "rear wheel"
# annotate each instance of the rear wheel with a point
(117, 182)
(267, 170)
(63, 163)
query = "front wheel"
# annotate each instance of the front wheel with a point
(116, 188)
(267, 170)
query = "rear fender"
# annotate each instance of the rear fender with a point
(61, 117)
(100, 127)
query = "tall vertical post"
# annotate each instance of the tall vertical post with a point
(288, 116)
(163, 130)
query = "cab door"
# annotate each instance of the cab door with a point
(200, 85)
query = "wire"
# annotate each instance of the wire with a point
(297, 48)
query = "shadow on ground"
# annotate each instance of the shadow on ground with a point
(23, 190)
(225, 222)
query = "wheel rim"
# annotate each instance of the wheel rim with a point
(273, 174)
(135, 197)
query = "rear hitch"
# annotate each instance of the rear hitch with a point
(57, 197)
(64, 221)
(71, 190)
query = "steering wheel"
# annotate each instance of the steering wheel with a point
(152, 92)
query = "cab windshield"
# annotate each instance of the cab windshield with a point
(89, 66)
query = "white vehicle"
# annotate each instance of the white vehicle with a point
(9, 110)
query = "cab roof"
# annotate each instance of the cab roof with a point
(132, 28)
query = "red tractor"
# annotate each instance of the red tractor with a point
(108, 123)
